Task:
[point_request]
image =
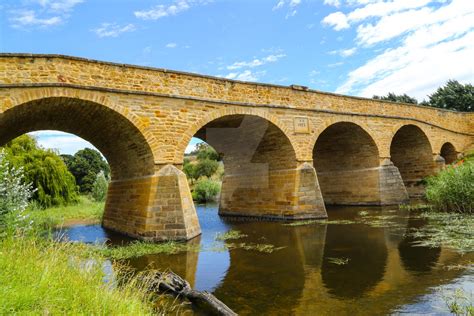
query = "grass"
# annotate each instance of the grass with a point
(42, 277)
(85, 210)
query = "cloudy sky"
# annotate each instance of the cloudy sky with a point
(354, 47)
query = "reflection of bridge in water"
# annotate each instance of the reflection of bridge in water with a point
(384, 271)
(286, 150)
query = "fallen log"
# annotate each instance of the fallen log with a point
(170, 282)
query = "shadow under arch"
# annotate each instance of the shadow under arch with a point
(411, 153)
(449, 153)
(260, 164)
(346, 159)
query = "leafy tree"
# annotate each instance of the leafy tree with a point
(402, 98)
(454, 96)
(53, 183)
(189, 170)
(204, 151)
(85, 165)
(99, 189)
(205, 168)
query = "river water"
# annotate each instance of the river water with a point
(359, 263)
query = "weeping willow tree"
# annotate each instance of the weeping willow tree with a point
(45, 170)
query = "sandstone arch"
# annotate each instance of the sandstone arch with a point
(449, 153)
(346, 159)
(412, 154)
(214, 115)
(262, 175)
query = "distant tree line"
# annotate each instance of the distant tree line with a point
(453, 96)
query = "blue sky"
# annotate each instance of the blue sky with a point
(354, 47)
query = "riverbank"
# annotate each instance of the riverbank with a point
(85, 212)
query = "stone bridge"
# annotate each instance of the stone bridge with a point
(287, 151)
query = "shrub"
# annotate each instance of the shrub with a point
(100, 186)
(453, 188)
(14, 192)
(206, 190)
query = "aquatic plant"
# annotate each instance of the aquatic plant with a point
(142, 248)
(338, 261)
(266, 248)
(301, 223)
(230, 235)
(460, 303)
(452, 230)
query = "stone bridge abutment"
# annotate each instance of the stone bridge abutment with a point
(287, 151)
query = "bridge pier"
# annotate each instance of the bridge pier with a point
(158, 207)
(276, 194)
(391, 187)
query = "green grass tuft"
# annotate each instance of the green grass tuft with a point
(42, 277)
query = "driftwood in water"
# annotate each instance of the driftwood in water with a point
(171, 282)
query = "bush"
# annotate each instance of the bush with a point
(14, 193)
(206, 190)
(100, 186)
(453, 188)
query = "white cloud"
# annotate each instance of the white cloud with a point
(335, 64)
(290, 4)
(113, 29)
(344, 52)
(335, 3)
(246, 75)
(337, 20)
(162, 10)
(60, 5)
(431, 44)
(65, 143)
(171, 45)
(256, 62)
(22, 18)
(379, 8)
(41, 13)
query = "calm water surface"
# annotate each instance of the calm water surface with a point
(384, 274)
